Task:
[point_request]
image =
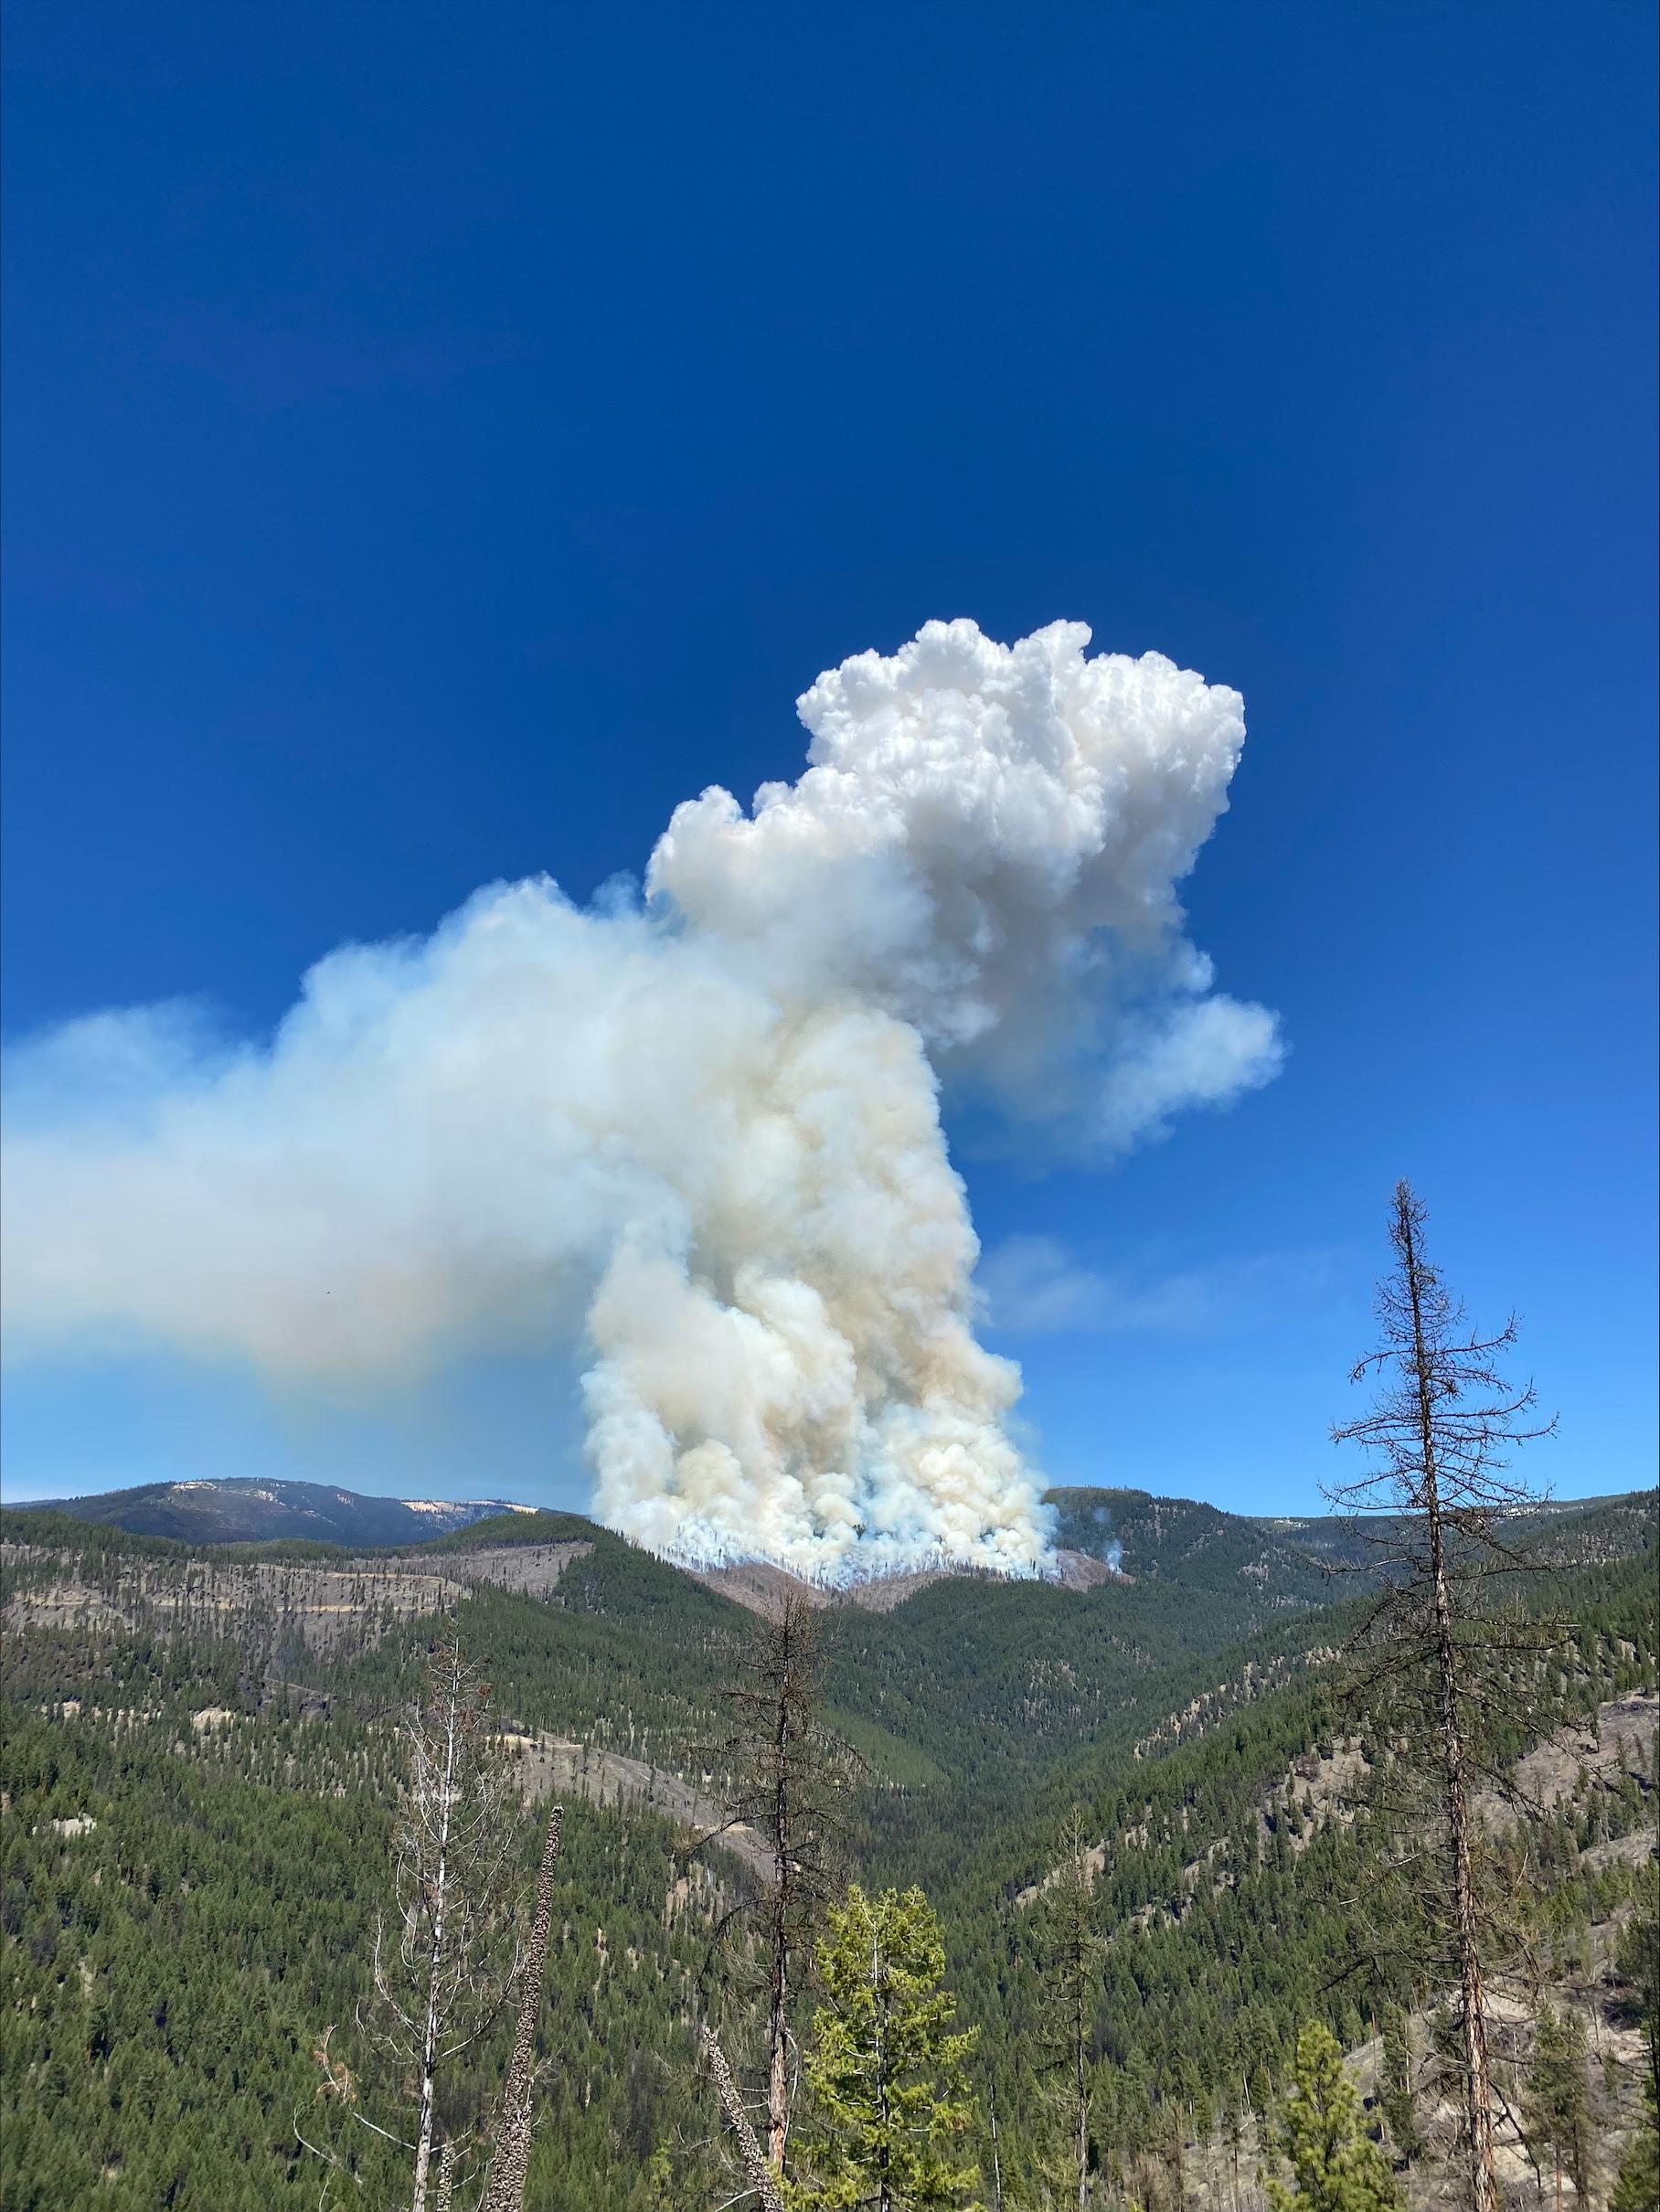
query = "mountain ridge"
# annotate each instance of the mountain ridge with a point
(250, 1509)
(1102, 1533)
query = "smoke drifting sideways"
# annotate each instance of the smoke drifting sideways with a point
(700, 1126)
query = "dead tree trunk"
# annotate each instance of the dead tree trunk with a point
(1478, 2088)
(778, 2024)
(445, 2194)
(1072, 1949)
(1081, 2098)
(510, 2166)
(438, 1903)
(437, 1986)
(996, 2154)
(1443, 1417)
(1455, 1780)
(789, 1775)
(755, 2165)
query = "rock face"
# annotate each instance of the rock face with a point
(1622, 1736)
(336, 1610)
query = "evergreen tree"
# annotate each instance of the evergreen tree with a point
(1638, 2187)
(1638, 1961)
(1336, 2167)
(1558, 2098)
(1233, 2138)
(886, 2067)
(1400, 2107)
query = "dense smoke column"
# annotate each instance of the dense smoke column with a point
(709, 1120)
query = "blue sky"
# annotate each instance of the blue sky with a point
(440, 440)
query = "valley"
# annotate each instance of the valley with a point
(181, 1717)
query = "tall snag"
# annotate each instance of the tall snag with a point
(763, 2182)
(1071, 1949)
(1441, 1659)
(442, 1963)
(510, 2162)
(788, 1778)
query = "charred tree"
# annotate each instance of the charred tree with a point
(789, 1779)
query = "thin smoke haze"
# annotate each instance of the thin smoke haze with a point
(702, 1125)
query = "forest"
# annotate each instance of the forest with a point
(198, 1827)
(1243, 1864)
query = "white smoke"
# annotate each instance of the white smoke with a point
(712, 1119)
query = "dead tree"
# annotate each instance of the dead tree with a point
(789, 1776)
(1437, 1655)
(442, 1986)
(1072, 1951)
(444, 2196)
(441, 1966)
(510, 2164)
(761, 2178)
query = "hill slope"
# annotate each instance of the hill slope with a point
(199, 1775)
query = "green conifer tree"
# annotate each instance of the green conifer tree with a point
(1638, 2187)
(886, 2068)
(1638, 1962)
(1400, 2107)
(1558, 2098)
(1336, 2167)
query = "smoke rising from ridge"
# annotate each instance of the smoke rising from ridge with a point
(706, 1122)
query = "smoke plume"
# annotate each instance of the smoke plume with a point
(705, 1122)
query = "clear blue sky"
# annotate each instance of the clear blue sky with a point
(439, 438)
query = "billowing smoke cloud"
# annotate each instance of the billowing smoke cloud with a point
(706, 1121)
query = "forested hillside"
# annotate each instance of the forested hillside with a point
(202, 1765)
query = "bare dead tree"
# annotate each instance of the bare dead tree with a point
(991, 2092)
(1437, 1655)
(761, 2178)
(790, 1776)
(510, 2165)
(443, 2197)
(443, 1985)
(1072, 1948)
(441, 1965)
